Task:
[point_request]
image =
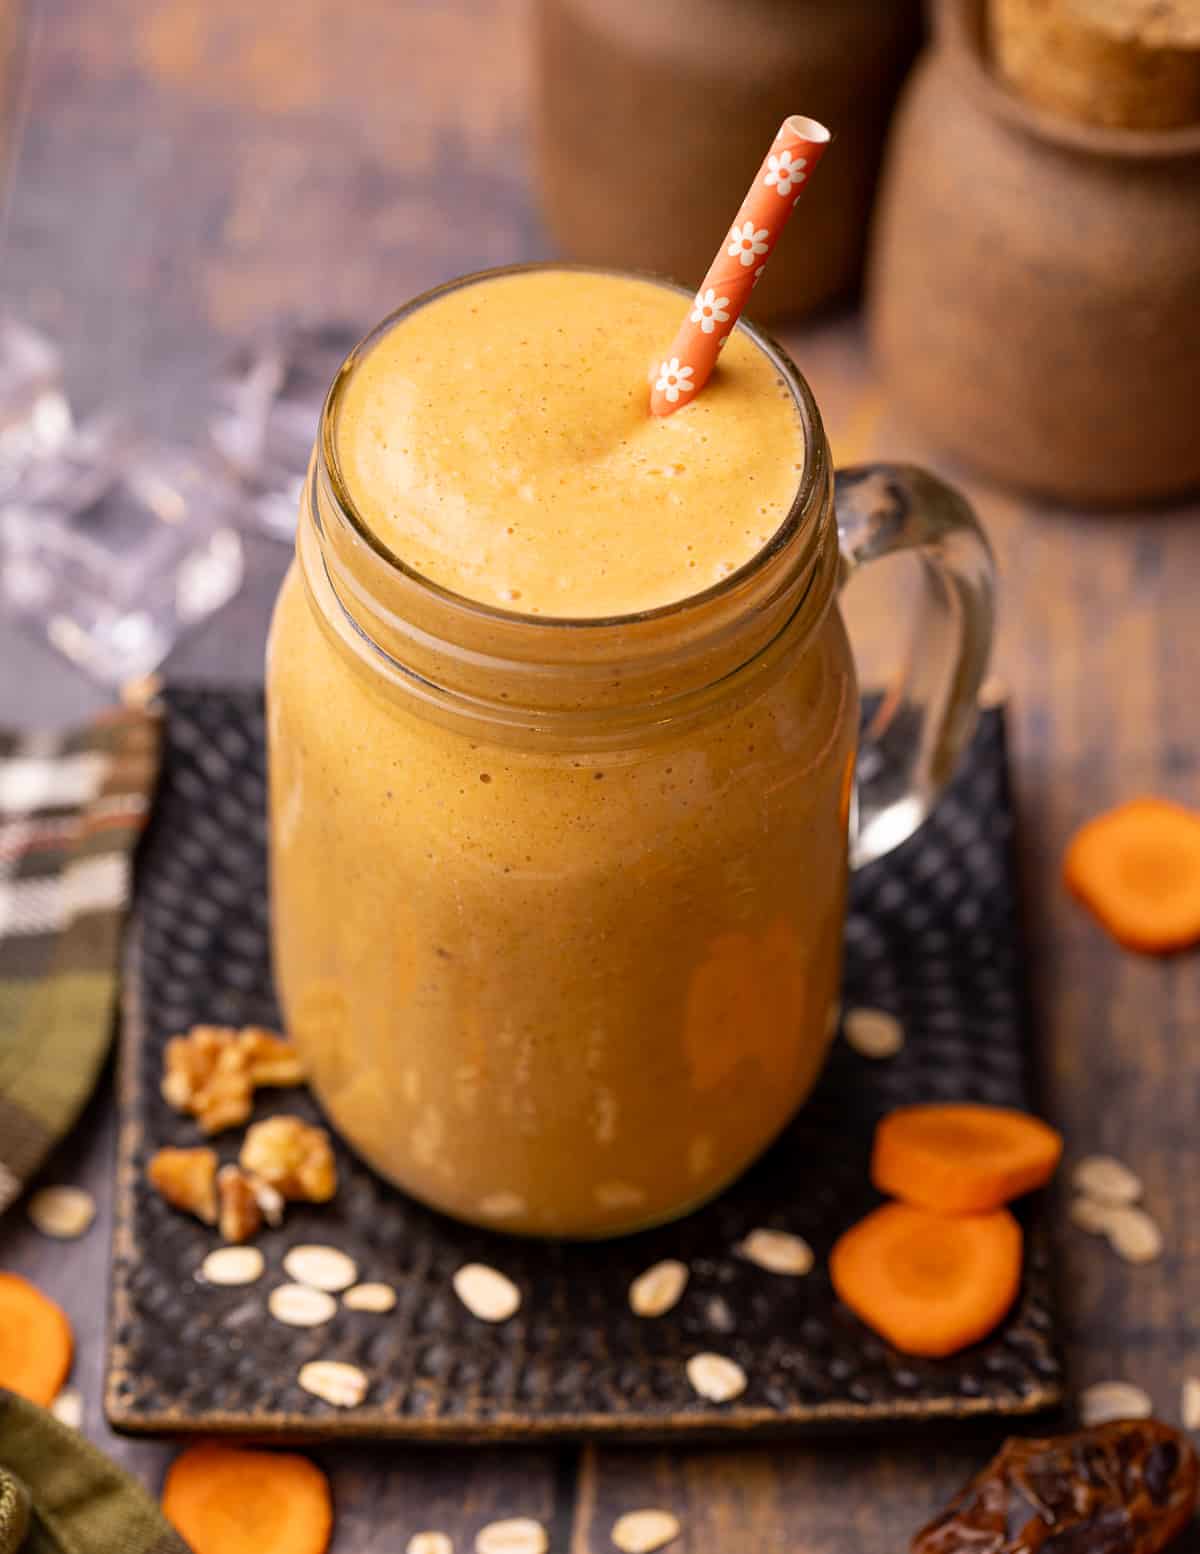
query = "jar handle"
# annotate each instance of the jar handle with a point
(914, 738)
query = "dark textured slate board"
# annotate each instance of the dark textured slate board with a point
(932, 936)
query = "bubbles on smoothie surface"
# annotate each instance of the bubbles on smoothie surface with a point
(499, 441)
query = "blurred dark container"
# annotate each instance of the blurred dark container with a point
(654, 114)
(1034, 287)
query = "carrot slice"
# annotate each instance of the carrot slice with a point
(226, 1500)
(962, 1158)
(1137, 869)
(36, 1343)
(928, 1284)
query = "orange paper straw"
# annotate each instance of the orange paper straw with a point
(741, 259)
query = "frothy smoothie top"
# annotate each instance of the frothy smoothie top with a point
(498, 441)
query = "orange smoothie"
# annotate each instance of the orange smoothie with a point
(562, 730)
(498, 442)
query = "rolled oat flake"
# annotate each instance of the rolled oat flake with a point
(344, 1386)
(655, 1292)
(321, 1268)
(486, 1293)
(641, 1532)
(715, 1377)
(1091, 1215)
(232, 1265)
(429, 1543)
(370, 1297)
(1107, 1180)
(1106, 1401)
(1189, 1403)
(299, 1305)
(778, 1251)
(873, 1033)
(1133, 1235)
(62, 1212)
(516, 1535)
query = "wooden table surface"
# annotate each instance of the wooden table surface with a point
(179, 173)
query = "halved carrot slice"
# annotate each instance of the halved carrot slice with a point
(962, 1158)
(1137, 869)
(226, 1500)
(928, 1284)
(36, 1344)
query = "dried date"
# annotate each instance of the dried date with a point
(1122, 1488)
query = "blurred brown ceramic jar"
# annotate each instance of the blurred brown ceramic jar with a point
(1034, 287)
(654, 114)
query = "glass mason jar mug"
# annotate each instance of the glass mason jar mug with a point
(558, 904)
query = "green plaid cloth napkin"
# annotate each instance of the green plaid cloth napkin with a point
(71, 808)
(59, 1495)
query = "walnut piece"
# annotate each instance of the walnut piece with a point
(187, 1179)
(240, 1214)
(292, 1157)
(205, 1074)
(271, 1059)
(213, 1071)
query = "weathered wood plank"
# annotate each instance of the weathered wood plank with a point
(14, 35)
(181, 175)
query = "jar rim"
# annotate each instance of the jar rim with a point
(799, 514)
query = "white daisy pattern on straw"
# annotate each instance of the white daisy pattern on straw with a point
(674, 379)
(747, 243)
(785, 172)
(710, 310)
